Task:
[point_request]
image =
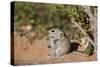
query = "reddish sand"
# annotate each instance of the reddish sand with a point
(37, 53)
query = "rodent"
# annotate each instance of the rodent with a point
(59, 43)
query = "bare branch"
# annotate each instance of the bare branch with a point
(83, 31)
(93, 21)
(87, 9)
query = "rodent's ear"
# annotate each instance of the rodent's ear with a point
(62, 34)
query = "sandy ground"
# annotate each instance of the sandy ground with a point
(37, 53)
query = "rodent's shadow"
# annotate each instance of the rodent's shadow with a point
(74, 46)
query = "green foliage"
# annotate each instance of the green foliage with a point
(44, 16)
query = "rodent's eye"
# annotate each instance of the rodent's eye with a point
(52, 31)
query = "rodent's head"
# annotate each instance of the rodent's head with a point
(55, 33)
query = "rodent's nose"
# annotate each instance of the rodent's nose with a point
(48, 31)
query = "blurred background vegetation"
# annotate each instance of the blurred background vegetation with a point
(43, 16)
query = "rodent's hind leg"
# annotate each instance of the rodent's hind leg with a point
(52, 54)
(58, 53)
